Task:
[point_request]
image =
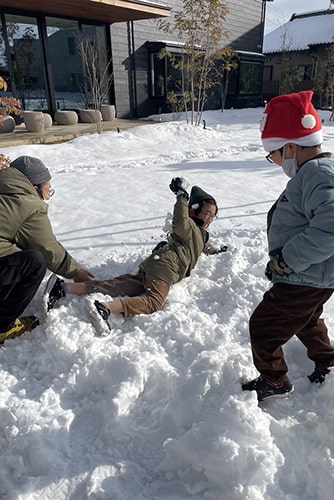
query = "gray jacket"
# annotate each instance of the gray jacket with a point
(301, 225)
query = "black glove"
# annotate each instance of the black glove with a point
(222, 249)
(179, 185)
(278, 265)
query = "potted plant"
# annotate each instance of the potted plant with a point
(8, 106)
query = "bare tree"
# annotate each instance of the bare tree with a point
(226, 65)
(290, 76)
(324, 81)
(200, 26)
(97, 77)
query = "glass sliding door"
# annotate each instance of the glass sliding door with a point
(41, 61)
(65, 62)
(5, 70)
(101, 61)
(24, 61)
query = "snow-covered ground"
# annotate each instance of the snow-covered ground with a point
(155, 411)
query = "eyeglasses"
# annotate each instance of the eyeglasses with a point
(50, 192)
(269, 158)
(208, 216)
(269, 155)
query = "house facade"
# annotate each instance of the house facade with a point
(40, 60)
(296, 53)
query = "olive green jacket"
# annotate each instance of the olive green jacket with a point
(175, 260)
(24, 224)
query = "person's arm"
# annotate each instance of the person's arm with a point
(316, 243)
(181, 224)
(212, 250)
(181, 228)
(82, 276)
(36, 233)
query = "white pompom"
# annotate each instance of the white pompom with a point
(308, 121)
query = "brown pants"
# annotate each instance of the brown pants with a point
(147, 294)
(288, 310)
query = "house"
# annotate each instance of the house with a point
(295, 54)
(40, 60)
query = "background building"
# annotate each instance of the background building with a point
(299, 56)
(40, 60)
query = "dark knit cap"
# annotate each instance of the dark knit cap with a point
(197, 195)
(33, 168)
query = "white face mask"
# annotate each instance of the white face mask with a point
(289, 166)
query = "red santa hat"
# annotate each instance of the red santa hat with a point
(290, 118)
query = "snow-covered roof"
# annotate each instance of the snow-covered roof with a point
(301, 31)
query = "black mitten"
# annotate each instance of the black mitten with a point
(179, 186)
(175, 184)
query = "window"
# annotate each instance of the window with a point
(158, 75)
(305, 71)
(165, 77)
(268, 73)
(77, 81)
(71, 45)
(26, 60)
(64, 60)
(250, 77)
(174, 80)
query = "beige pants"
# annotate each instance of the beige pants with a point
(146, 295)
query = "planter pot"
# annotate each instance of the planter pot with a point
(34, 121)
(66, 117)
(108, 112)
(90, 115)
(7, 126)
(47, 121)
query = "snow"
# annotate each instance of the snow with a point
(301, 33)
(155, 411)
(280, 11)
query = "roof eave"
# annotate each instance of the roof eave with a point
(108, 11)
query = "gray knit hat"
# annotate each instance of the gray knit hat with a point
(33, 168)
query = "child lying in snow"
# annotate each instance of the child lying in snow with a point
(170, 262)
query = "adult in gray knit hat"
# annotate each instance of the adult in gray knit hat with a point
(28, 246)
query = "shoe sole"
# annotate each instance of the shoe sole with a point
(101, 326)
(49, 285)
(276, 396)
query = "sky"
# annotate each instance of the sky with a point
(279, 12)
(155, 411)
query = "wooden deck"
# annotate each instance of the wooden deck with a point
(63, 133)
